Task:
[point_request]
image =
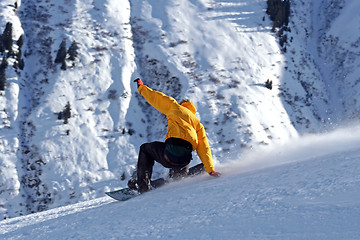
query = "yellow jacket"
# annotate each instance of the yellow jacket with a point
(182, 123)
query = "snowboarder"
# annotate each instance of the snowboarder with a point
(185, 134)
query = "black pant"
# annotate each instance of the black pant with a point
(151, 152)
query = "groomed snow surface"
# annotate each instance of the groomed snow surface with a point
(306, 189)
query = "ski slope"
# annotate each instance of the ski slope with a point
(306, 189)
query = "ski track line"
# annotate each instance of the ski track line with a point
(13, 224)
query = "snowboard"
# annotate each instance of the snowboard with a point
(123, 194)
(127, 193)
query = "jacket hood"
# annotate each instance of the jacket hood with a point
(190, 106)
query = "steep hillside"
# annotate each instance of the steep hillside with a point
(9, 106)
(323, 62)
(72, 122)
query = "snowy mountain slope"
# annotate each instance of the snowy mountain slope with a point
(45, 170)
(9, 100)
(323, 59)
(308, 193)
(218, 53)
(98, 89)
(342, 63)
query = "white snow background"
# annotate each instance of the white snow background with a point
(289, 156)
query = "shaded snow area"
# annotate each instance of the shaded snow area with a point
(308, 192)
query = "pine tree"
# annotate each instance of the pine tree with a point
(73, 51)
(7, 37)
(3, 67)
(279, 12)
(268, 84)
(67, 113)
(61, 55)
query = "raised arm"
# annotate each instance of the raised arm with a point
(158, 100)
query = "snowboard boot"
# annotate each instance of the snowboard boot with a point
(132, 184)
(158, 183)
(178, 172)
(144, 184)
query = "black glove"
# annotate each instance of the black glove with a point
(139, 82)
